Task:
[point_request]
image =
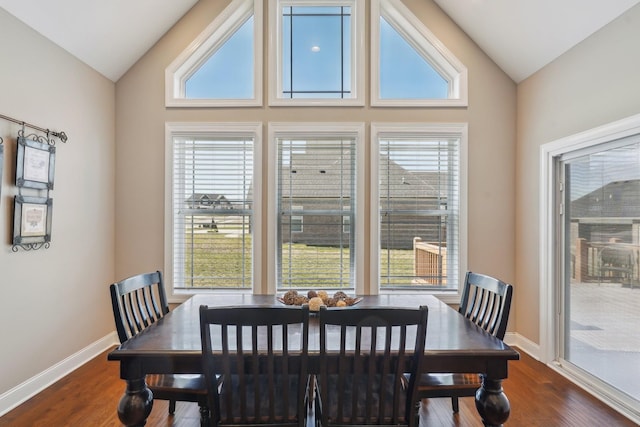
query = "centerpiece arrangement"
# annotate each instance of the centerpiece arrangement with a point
(315, 299)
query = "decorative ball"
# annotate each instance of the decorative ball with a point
(312, 294)
(289, 297)
(300, 299)
(341, 303)
(315, 303)
(324, 295)
(339, 295)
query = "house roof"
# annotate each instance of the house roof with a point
(520, 36)
(600, 203)
(308, 168)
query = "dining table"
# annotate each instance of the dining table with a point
(454, 344)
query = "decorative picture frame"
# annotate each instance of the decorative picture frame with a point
(35, 164)
(1, 163)
(32, 221)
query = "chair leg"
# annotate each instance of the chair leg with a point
(204, 415)
(454, 404)
(172, 407)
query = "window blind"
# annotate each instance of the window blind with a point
(419, 211)
(316, 213)
(212, 212)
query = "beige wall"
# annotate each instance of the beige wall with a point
(594, 83)
(54, 301)
(141, 117)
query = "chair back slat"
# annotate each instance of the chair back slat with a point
(137, 302)
(486, 301)
(264, 369)
(361, 381)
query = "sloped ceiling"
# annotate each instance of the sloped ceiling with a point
(108, 35)
(521, 36)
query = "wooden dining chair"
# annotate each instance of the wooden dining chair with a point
(262, 355)
(138, 302)
(486, 301)
(364, 353)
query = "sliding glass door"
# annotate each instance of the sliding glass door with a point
(598, 218)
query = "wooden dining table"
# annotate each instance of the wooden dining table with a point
(172, 345)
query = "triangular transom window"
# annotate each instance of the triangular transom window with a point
(222, 67)
(409, 65)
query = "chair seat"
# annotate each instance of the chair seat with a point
(435, 382)
(186, 388)
(184, 382)
(345, 398)
(229, 414)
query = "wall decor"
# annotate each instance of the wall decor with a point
(32, 222)
(35, 164)
(1, 164)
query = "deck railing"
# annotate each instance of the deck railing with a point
(429, 262)
(611, 261)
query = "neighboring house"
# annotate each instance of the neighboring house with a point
(611, 211)
(208, 201)
(605, 233)
(317, 206)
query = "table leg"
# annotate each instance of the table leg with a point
(136, 403)
(491, 402)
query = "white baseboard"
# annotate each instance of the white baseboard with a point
(44, 379)
(516, 340)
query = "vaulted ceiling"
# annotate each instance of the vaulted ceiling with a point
(521, 36)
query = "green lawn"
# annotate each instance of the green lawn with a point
(223, 260)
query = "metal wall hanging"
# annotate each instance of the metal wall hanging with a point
(35, 165)
(1, 164)
(32, 222)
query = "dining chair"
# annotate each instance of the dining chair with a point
(262, 355)
(364, 353)
(138, 302)
(485, 301)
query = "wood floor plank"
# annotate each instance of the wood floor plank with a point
(539, 398)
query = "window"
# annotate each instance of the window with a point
(318, 50)
(409, 65)
(223, 66)
(590, 259)
(418, 237)
(315, 176)
(214, 207)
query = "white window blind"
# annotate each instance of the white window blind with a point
(419, 212)
(212, 212)
(316, 187)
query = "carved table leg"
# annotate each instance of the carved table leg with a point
(491, 402)
(136, 403)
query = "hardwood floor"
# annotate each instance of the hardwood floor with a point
(539, 397)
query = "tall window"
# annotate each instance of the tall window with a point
(316, 186)
(315, 190)
(418, 207)
(318, 50)
(213, 207)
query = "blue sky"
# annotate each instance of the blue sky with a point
(316, 57)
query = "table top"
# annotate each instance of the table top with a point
(454, 344)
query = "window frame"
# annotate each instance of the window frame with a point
(277, 130)
(198, 51)
(440, 58)
(239, 129)
(357, 54)
(426, 130)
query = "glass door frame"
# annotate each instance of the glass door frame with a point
(551, 265)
